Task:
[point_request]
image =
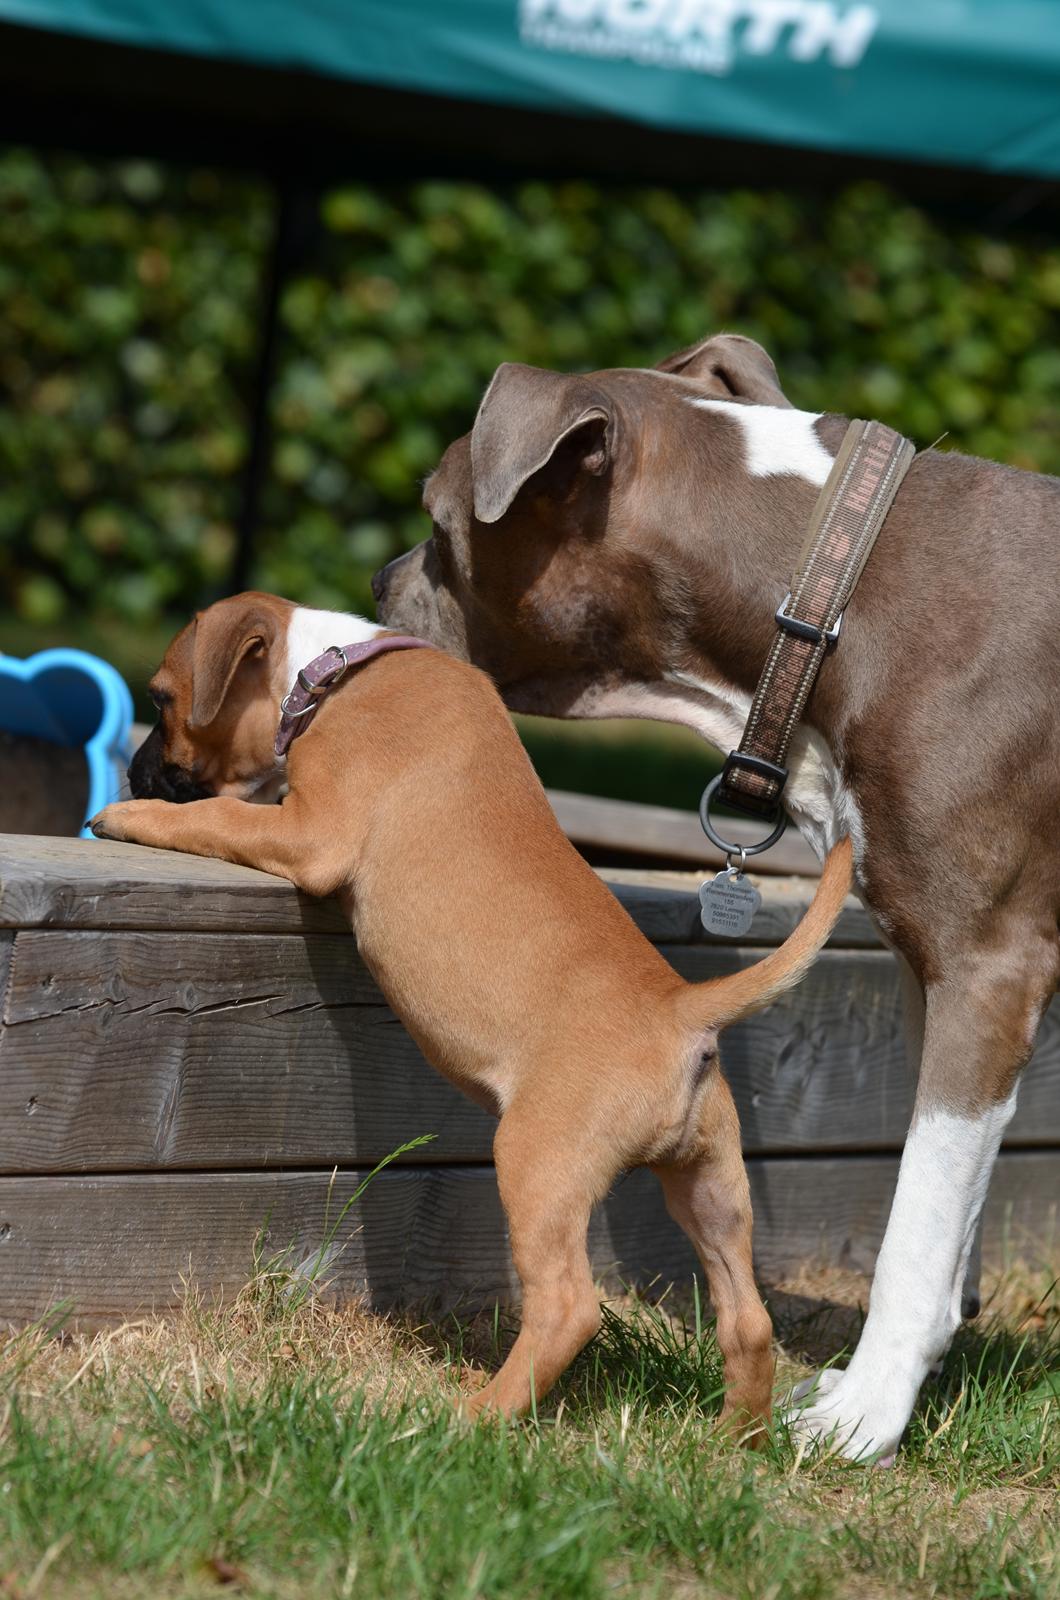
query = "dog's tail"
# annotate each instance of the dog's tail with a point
(723, 1000)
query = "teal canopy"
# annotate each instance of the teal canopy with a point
(967, 83)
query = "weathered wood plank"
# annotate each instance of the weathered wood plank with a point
(45, 785)
(665, 907)
(141, 1050)
(7, 948)
(677, 835)
(112, 1246)
(92, 883)
(131, 1051)
(824, 1067)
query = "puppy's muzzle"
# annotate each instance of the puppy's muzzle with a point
(151, 777)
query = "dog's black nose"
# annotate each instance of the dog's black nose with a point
(379, 583)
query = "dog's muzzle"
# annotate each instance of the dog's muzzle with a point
(151, 777)
(380, 580)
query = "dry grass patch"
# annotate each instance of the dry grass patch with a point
(280, 1446)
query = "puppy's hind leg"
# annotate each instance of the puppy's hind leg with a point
(548, 1188)
(707, 1193)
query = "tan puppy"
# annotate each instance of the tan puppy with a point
(514, 968)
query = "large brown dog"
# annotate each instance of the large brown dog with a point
(513, 967)
(616, 544)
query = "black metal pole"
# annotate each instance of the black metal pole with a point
(279, 263)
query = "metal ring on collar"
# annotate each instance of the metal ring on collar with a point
(725, 845)
(286, 709)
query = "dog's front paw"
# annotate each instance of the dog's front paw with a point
(833, 1412)
(125, 820)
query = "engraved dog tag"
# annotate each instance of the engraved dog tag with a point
(728, 903)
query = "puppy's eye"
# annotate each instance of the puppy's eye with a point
(160, 699)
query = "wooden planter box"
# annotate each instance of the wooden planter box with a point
(189, 1050)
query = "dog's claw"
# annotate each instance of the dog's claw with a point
(971, 1305)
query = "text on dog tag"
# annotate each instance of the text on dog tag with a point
(728, 903)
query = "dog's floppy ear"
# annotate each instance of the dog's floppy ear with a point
(730, 366)
(225, 635)
(525, 415)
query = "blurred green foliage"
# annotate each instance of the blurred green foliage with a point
(129, 297)
(126, 322)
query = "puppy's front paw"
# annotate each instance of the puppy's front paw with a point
(126, 820)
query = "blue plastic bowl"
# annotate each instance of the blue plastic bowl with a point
(73, 699)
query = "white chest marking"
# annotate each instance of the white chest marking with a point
(712, 709)
(777, 439)
(822, 806)
(310, 632)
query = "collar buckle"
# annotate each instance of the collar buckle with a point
(329, 679)
(807, 630)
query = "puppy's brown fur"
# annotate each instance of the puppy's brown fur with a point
(516, 971)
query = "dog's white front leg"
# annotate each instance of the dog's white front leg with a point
(915, 1305)
(913, 1014)
(979, 1033)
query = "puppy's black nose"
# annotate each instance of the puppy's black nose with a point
(379, 584)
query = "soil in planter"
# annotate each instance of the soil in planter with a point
(43, 786)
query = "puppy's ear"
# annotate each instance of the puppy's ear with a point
(226, 635)
(528, 420)
(730, 366)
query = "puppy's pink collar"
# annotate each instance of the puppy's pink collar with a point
(323, 673)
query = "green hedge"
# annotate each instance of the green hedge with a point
(126, 325)
(128, 302)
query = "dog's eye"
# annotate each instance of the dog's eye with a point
(160, 699)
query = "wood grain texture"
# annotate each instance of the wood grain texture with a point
(134, 1051)
(44, 783)
(665, 907)
(93, 883)
(824, 1067)
(140, 1050)
(7, 950)
(677, 835)
(112, 1246)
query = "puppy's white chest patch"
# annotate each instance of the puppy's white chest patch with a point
(309, 633)
(777, 440)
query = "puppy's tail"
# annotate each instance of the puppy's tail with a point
(723, 1000)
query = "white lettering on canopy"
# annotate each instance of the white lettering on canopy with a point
(700, 35)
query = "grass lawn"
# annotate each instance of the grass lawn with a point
(287, 1450)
